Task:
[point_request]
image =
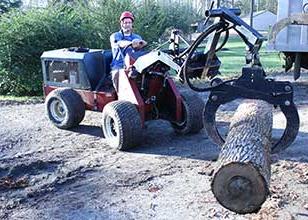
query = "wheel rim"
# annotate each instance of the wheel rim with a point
(111, 129)
(58, 110)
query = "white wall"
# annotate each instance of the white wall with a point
(262, 21)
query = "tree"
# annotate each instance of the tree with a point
(272, 5)
(6, 5)
(68, 2)
(244, 5)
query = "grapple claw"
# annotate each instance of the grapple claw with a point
(289, 135)
(291, 130)
(209, 119)
(224, 93)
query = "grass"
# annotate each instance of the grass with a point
(233, 57)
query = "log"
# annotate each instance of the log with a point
(241, 180)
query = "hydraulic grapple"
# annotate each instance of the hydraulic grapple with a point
(202, 75)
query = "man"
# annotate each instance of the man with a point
(119, 44)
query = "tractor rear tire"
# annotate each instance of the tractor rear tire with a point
(193, 107)
(121, 125)
(65, 108)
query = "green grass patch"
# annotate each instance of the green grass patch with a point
(232, 57)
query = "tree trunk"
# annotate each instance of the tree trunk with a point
(242, 179)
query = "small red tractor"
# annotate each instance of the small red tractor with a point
(78, 79)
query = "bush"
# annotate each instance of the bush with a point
(26, 34)
(102, 20)
(6, 5)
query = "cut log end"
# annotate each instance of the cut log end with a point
(240, 187)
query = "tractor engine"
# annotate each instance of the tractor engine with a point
(151, 81)
(152, 84)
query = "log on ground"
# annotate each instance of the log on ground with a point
(241, 181)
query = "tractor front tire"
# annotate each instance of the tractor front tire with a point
(192, 108)
(65, 108)
(121, 125)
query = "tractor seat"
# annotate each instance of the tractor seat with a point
(107, 59)
(106, 68)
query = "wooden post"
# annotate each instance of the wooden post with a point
(241, 181)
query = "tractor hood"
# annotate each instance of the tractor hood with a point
(147, 60)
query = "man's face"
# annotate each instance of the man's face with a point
(127, 25)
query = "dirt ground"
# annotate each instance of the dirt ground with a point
(48, 173)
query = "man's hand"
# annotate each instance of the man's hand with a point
(138, 44)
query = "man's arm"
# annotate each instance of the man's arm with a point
(124, 43)
(136, 43)
(115, 42)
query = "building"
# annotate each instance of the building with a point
(262, 20)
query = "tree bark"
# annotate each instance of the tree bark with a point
(241, 181)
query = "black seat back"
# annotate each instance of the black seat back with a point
(106, 68)
(93, 65)
(107, 59)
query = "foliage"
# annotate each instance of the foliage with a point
(26, 34)
(245, 5)
(102, 19)
(272, 6)
(6, 5)
(150, 22)
(180, 17)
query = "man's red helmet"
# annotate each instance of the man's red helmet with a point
(127, 14)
